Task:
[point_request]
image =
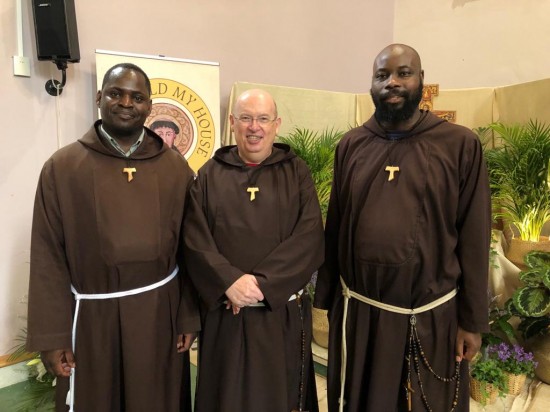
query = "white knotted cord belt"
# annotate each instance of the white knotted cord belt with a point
(348, 294)
(115, 295)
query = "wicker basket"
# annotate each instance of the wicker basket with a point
(477, 394)
(515, 383)
(320, 327)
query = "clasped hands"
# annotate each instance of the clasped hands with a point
(243, 292)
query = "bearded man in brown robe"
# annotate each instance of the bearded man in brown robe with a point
(106, 228)
(407, 243)
(253, 239)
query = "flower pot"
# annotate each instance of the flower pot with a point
(519, 248)
(515, 383)
(540, 346)
(477, 392)
(320, 327)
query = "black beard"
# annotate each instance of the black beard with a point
(386, 112)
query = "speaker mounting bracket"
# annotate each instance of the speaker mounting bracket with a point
(55, 87)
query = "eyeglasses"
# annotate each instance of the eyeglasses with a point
(246, 119)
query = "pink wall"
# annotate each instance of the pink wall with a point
(477, 43)
(318, 44)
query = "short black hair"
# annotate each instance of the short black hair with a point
(164, 123)
(126, 66)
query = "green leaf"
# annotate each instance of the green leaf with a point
(531, 301)
(537, 259)
(531, 277)
(546, 278)
(531, 327)
(34, 361)
(504, 326)
(38, 396)
(511, 308)
(317, 150)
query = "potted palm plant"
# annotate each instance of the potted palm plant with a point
(519, 176)
(317, 150)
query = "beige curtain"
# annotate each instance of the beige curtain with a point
(305, 108)
(318, 109)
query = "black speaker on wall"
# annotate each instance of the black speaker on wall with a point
(55, 30)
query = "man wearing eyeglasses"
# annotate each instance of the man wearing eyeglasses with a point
(255, 238)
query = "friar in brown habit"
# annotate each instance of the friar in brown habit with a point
(253, 239)
(407, 242)
(106, 228)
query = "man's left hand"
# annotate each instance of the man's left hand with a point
(467, 344)
(185, 341)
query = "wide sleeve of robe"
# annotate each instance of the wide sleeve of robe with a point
(212, 274)
(188, 320)
(50, 297)
(291, 264)
(474, 235)
(328, 277)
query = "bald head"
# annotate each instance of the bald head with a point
(255, 97)
(406, 54)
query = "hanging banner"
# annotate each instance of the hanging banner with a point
(186, 101)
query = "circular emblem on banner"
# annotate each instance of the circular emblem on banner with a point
(173, 125)
(182, 119)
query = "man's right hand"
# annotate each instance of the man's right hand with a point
(244, 291)
(58, 362)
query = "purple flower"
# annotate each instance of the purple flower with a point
(512, 359)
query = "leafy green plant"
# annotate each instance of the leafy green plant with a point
(499, 323)
(518, 174)
(531, 302)
(487, 371)
(38, 397)
(40, 389)
(513, 359)
(317, 150)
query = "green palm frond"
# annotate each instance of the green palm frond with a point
(19, 352)
(519, 175)
(39, 392)
(38, 396)
(317, 150)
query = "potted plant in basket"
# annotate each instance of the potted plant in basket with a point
(515, 362)
(518, 172)
(317, 150)
(487, 381)
(531, 303)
